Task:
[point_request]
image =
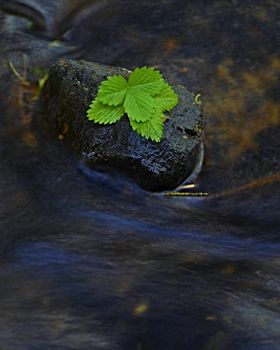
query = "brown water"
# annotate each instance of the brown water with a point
(89, 261)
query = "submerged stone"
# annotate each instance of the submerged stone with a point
(154, 166)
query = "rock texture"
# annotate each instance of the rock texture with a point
(154, 166)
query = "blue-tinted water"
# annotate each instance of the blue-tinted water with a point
(89, 260)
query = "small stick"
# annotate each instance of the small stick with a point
(187, 186)
(197, 99)
(18, 75)
(186, 194)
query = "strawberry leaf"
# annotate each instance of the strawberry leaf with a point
(166, 99)
(148, 80)
(152, 128)
(144, 98)
(138, 105)
(113, 90)
(104, 114)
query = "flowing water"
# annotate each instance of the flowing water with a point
(90, 261)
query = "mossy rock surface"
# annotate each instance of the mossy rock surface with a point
(154, 166)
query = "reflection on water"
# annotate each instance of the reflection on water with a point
(89, 261)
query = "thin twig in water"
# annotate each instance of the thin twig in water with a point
(186, 194)
(18, 75)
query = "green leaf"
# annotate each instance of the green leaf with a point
(152, 128)
(113, 90)
(148, 80)
(166, 99)
(104, 114)
(138, 105)
(144, 97)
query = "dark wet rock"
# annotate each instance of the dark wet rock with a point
(154, 166)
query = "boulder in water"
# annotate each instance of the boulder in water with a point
(154, 166)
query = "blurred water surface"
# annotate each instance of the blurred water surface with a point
(90, 261)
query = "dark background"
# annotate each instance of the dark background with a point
(90, 261)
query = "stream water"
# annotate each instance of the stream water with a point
(90, 261)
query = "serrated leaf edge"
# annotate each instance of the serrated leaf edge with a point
(154, 96)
